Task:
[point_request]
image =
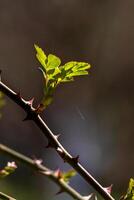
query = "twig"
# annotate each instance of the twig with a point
(32, 114)
(64, 187)
(5, 197)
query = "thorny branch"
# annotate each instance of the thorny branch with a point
(53, 175)
(53, 141)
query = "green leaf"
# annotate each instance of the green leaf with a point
(73, 68)
(66, 79)
(81, 66)
(41, 56)
(68, 175)
(69, 65)
(130, 192)
(76, 66)
(54, 74)
(51, 74)
(77, 73)
(53, 62)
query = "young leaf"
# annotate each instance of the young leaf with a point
(41, 56)
(53, 62)
(76, 65)
(54, 74)
(68, 175)
(73, 68)
(78, 73)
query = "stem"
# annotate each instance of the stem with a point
(53, 140)
(5, 197)
(42, 170)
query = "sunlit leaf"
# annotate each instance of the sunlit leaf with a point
(130, 192)
(41, 56)
(77, 73)
(76, 66)
(53, 61)
(81, 66)
(68, 175)
(69, 65)
(54, 73)
(67, 79)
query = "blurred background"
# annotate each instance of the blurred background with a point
(94, 114)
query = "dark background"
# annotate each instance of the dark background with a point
(94, 114)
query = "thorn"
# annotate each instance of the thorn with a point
(59, 150)
(75, 159)
(38, 161)
(57, 136)
(58, 173)
(60, 191)
(109, 189)
(30, 102)
(47, 172)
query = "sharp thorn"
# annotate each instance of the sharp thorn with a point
(109, 189)
(57, 136)
(47, 173)
(75, 159)
(59, 150)
(30, 102)
(58, 173)
(37, 161)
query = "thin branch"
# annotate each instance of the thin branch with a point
(32, 114)
(64, 187)
(5, 197)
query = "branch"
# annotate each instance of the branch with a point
(53, 141)
(5, 197)
(64, 187)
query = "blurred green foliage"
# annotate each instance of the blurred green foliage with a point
(8, 169)
(130, 192)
